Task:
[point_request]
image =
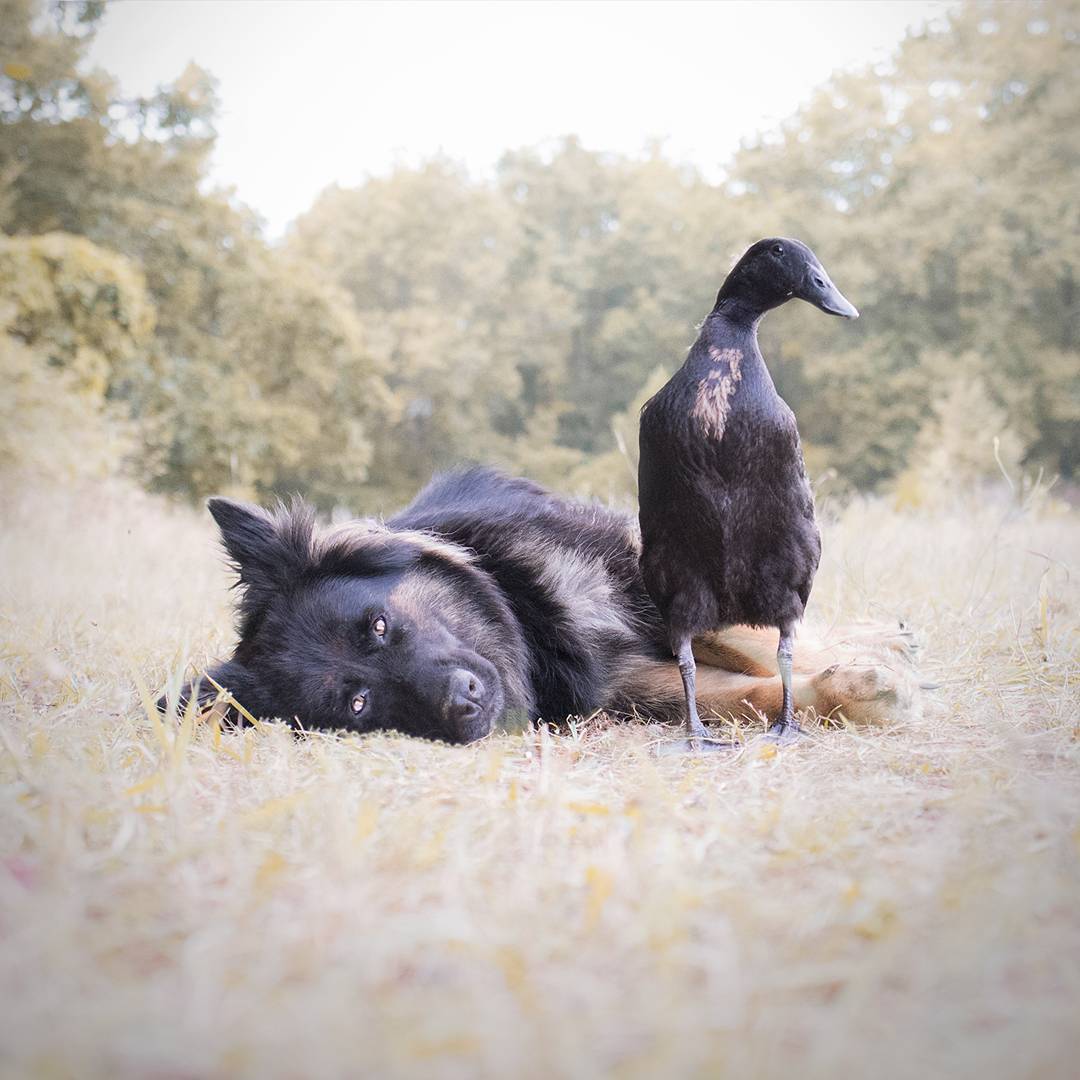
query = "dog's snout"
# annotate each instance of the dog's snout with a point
(465, 696)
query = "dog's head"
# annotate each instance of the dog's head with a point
(365, 628)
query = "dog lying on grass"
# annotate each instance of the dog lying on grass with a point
(490, 602)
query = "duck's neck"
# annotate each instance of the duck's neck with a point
(741, 309)
(726, 332)
(735, 320)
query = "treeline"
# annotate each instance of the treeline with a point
(428, 318)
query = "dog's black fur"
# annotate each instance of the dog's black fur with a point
(494, 599)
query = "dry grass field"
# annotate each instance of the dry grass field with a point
(180, 902)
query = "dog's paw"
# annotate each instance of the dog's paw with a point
(866, 693)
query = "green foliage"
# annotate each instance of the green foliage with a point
(425, 318)
(420, 256)
(282, 397)
(76, 327)
(86, 307)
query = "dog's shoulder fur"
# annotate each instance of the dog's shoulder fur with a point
(569, 570)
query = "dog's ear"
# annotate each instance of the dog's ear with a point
(265, 547)
(250, 537)
(230, 676)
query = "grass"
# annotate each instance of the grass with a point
(180, 901)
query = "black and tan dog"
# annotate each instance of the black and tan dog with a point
(490, 601)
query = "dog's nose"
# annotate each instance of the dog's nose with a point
(465, 693)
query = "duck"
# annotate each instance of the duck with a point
(729, 534)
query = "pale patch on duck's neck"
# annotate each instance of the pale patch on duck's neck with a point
(716, 387)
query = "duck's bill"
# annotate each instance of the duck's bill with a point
(832, 301)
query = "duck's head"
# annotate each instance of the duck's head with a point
(778, 269)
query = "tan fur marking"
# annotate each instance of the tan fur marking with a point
(582, 585)
(654, 687)
(354, 535)
(412, 598)
(713, 401)
(727, 655)
(752, 650)
(425, 598)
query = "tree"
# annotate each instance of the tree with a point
(76, 330)
(427, 318)
(422, 254)
(257, 379)
(945, 182)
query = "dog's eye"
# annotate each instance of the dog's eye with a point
(357, 704)
(778, 249)
(379, 626)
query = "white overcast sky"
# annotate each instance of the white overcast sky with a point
(320, 92)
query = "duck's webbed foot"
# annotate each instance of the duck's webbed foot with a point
(783, 734)
(696, 747)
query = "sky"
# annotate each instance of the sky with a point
(317, 92)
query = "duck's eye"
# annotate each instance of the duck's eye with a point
(357, 704)
(778, 249)
(379, 626)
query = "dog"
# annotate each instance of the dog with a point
(490, 603)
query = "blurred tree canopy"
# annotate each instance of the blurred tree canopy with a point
(75, 325)
(257, 379)
(428, 318)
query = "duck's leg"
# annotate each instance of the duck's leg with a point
(695, 729)
(697, 734)
(786, 728)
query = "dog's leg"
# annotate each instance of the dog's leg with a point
(868, 634)
(656, 688)
(864, 692)
(741, 649)
(751, 651)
